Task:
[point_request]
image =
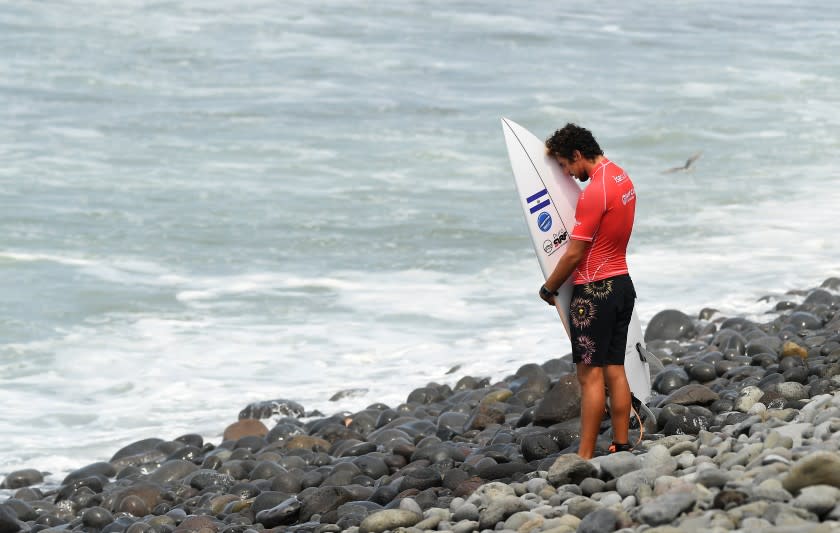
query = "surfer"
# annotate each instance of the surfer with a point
(603, 295)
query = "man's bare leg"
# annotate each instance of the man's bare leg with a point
(592, 402)
(620, 402)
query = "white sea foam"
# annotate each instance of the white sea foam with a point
(27, 257)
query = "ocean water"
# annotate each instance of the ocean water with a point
(205, 204)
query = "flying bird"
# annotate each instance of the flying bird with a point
(688, 163)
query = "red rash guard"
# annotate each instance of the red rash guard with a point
(604, 217)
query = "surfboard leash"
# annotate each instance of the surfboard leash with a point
(641, 425)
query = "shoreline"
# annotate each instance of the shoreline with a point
(746, 438)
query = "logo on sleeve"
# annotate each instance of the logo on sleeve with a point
(628, 196)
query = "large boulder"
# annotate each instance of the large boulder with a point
(561, 402)
(669, 324)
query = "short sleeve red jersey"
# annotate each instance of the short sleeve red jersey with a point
(604, 216)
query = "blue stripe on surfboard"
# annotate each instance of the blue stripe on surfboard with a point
(537, 195)
(540, 206)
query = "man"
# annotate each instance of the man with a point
(603, 294)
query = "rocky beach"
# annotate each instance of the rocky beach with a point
(745, 439)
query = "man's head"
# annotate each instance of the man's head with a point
(575, 149)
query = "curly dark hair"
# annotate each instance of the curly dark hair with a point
(570, 138)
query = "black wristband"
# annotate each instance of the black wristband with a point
(546, 293)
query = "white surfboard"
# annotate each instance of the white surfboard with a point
(549, 198)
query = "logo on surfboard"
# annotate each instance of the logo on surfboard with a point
(544, 221)
(536, 203)
(552, 245)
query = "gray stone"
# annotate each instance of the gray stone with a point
(766, 344)
(499, 509)
(791, 390)
(670, 380)
(758, 408)
(487, 493)
(670, 441)
(410, 504)
(684, 446)
(702, 371)
(560, 403)
(817, 404)
(667, 508)
(570, 468)
(728, 340)
(618, 464)
(96, 469)
(23, 510)
(827, 424)
(465, 526)
(591, 485)
(659, 459)
(22, 478)
(804, 320)
(421, 479)
(691, 394)
(172, 471)
(268, 499)
(466, 511)
(793, 432)
(282, 514)
(352, 513)
(206, 478)
(791, 520)
(560, 497)
(818, 468)
(679, 420)
(538, 446)
(323, 500)
(772, 458)
(609, 499)
(628, 484)
(747, 397)
(269, 408)
(697, 523)
(669, 324)
(526, 519)
(97, 517)
(712, 477)
(534, 486)
(570, 487)
(818, 499)
(139, 448)
(581, 506)
(772, 490)
(389, 519)
(753, 523)
(743, 456)
(8, 521)
(433, 517)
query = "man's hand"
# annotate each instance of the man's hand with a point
(547, 295)
(564, 268)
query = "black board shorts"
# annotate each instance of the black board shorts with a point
(599, 317)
